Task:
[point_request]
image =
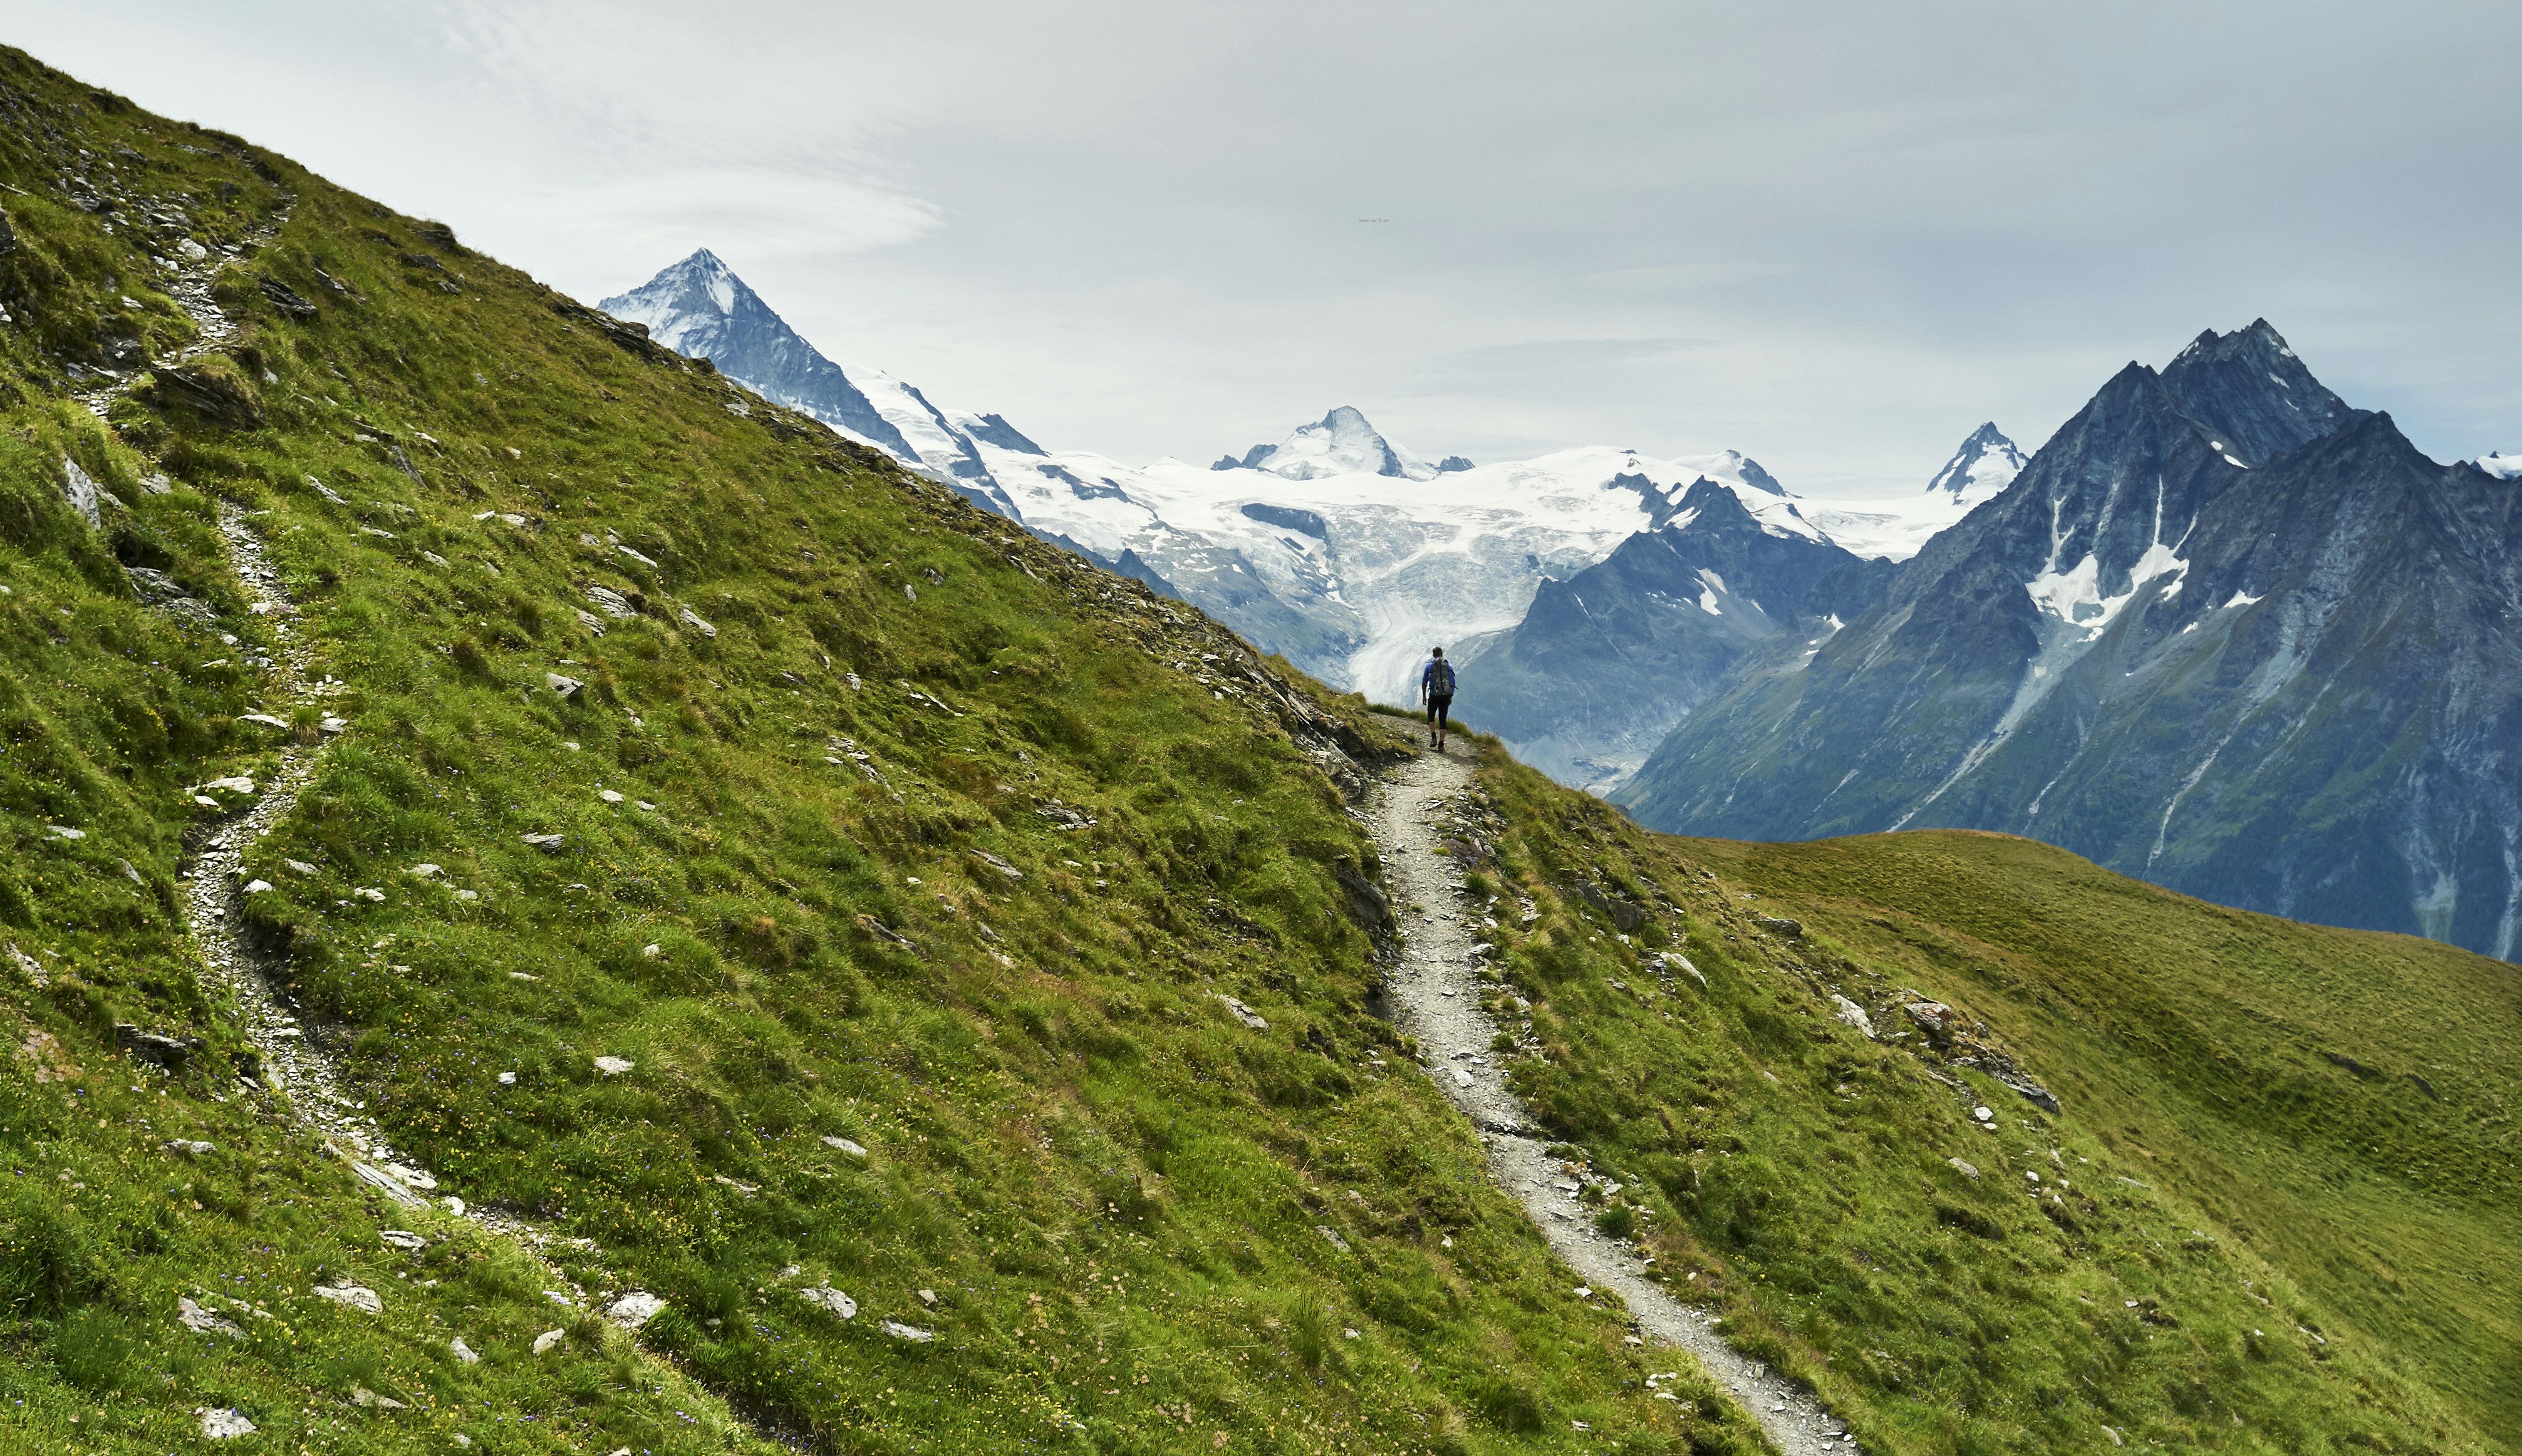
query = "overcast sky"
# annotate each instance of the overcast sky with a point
(1832, 235)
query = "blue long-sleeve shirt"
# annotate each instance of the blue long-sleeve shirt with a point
(1437, 679)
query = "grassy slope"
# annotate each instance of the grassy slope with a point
(1117, 1194)
(1804, 1168)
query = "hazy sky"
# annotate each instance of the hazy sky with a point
(1832, 235)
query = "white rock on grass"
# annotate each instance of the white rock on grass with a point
(634, 1309)
(1853, 1014)
(222, 1424)
(844, 1145)
(202, 1321)
(257, 886)
(1247, 1015)
(824, 1297)
(463, 1351)
(547, 1339)
(614, 1065)
(912, 1333)
(352, 1295)
(404, 1238)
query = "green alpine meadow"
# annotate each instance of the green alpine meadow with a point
(551, 904)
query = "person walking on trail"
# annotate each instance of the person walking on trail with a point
(1436, 689)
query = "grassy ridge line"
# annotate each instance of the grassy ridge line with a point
(1802, 1173)
(861, 711)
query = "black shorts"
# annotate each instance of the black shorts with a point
(1437, 708)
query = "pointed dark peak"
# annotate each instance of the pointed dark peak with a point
(995, 430)
(2252, 394)
(1987, 460)
(1709, 506)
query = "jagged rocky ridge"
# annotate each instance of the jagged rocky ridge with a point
(2224, 632)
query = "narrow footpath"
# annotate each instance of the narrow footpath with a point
(1436, 998)
(300, 1064)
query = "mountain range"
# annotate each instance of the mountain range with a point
(1336, 547)
(2224, 632)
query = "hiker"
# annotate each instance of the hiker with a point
(1437, 687)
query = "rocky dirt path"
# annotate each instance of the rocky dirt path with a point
(1437, 997)
(300, 1063)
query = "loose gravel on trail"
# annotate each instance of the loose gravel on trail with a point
(1437, 997)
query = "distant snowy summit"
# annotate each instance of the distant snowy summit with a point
(2502, 467)
(1986, 464)
(1341, 443)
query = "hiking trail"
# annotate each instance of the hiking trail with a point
(1436, 993)
(298, 1065)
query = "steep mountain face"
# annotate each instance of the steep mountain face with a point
(1986, 464)
(700, 309)
(2224, 632)
(1607, 662)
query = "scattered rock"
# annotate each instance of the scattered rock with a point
(463, 1353)
(1963, 1169)
(568, 688)
(1934, 1017)
(1793, 929)
(202, 1321)
(611, 603)
(65, 832)
(614, 1065)
(351, 1296)
(844, 1145)
(149, 1046)
(692, 620)
(1985, 1114)
(222, 1424)
(427, 871)
(609, 795)
(1333, 1233)
(588, 620)
(634, 1309)
(402, 1239)
(362, 1395)
(1853, 1014)
(189, 1148)
(257, 886)
(824, 1297)
(547, 1339)
(912, 1333)
(265, 720)
(549, 844)
(998, 864)
(1242, 1013)
(79, 489)
(299, 867)
(284, 298)
(927, 1297)
(33, 969)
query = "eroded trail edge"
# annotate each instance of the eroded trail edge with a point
(1436, 998)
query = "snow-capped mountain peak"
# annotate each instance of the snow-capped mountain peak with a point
(2502, 467)
(700, 309)
(1341, 443)
(1986, 464)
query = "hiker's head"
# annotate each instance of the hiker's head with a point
(1437, 651)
